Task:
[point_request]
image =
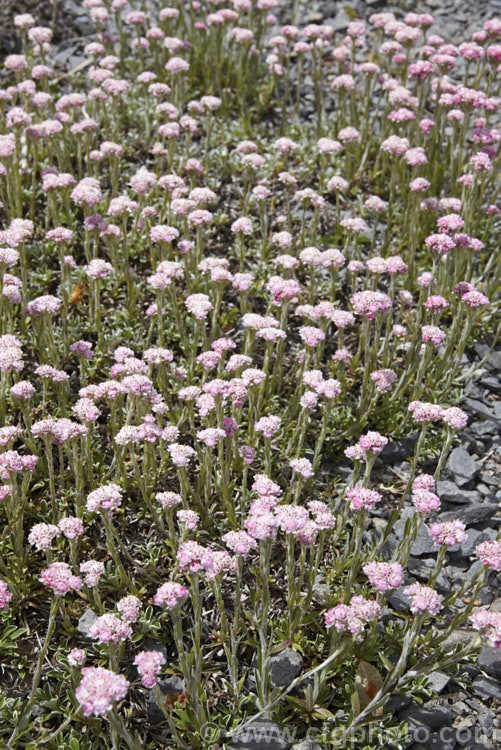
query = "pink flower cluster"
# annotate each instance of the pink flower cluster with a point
(149, 664)
(98, 690)
(352, 617)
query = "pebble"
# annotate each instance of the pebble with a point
(462, 466)
(489, 660)
(85, 622)
(486, 687)
(262, 734)
(170, 686)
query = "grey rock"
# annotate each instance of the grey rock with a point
(462, 466)
(399, 450)
(450, 493)
(430, 716)
(315, 17)
(438, 681)
(472, 515)
(488, 479)
(85, 623)
(262, 734)
(460, 635)
(484, 720)
(423, 543)
(341, 21)
(397, 703)
(492, 383)
(167, 687)
(443, 740)
(285, 667)
(486, 687)
(306, 745)
(398, 601)
(421, 569)
(484, 427)
(467, 549)
(473, 406)
(497, 410)
(489, 661)
(494, 361)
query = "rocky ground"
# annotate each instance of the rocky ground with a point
(465, 714)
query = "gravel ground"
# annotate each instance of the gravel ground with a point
(461, 717)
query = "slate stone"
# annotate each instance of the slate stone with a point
(484, 427)
(170, 686)
(421, 569)
(262, 734)
(472, 515)
(474, 406)
(397, 703)
(85, 622)
(494, 361)
(307, 745)
(399, 601)
(285, 667)
(467, 549)
(438, 681)
(449, 492)
(462, 466)
(486, 687)
(443, 740)
(423, 543)
(492, 383)
(399, 450)
(489, 660)
(341, 21)
(429, 716)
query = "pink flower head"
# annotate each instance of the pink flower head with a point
(436, 303)
(384, 379)
(180, 454)
(60, 579)
(489, 624)
(490, 554)
(170, 594)
(240, 542)
(93, 570)
(440, 244)
(107, 498)
(149, 664)
(268, 426)
(448, 533)
(98, 689)
(71, 527)
(188, 518)
(42, 534)
(384, 576)
(433, 335)
(426, 412)
(363, 498)
(425, 501)
(192, 557)
(5, 595)
(455, 418)
(302, 466)
(109, 628)
(368, 303)
(291, 518)
(352, 617)
(424, 599)
(199, 305)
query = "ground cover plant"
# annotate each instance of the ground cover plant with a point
(209, 298)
